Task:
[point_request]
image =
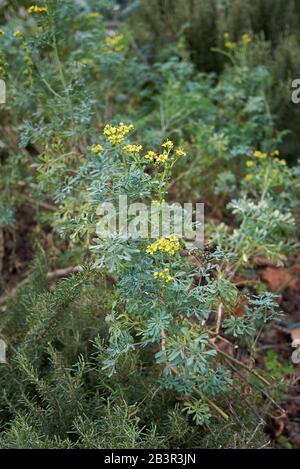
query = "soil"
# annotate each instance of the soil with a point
(285, 430)
(290, 304)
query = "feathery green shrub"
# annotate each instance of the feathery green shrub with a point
(55, 393)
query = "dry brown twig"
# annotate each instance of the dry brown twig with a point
(54, 275)
(1, 248)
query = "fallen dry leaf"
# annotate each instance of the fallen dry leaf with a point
(296, 268)
(261, 261)
(295, 334)
(279, 279)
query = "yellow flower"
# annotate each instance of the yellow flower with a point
(276, 153)
(2, 32)
(151, 156)
(168, 145)
(226, 36)
(158, 203)
(162, 158)
(116, 135)
(230, 45)
(249, 177)
(163, 275)
(246, 38)
(18, 34)
(36, 9)
(86, 61)
(114, 40)
(260, 155)
(134, 149)
(282, 162)
(168, 245)
(114, 43)
(249, 164)
(94, 14)
(180, 153)
(97, 149)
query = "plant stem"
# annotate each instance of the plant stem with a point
(213, 405)
(246, 367)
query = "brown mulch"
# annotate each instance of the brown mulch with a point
(286, 282)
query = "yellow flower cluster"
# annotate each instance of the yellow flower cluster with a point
(276, 154)
(280, 162)
(158, 203)
(97, 149)
(18, 34)
(163, 275)
(114, 43)
(133, 149)
(260, 155)
(162, 158)
(168, 245)
(168, 145)
(180, 153)
(151, 156)
(116, 135)
(94, 15)
(246, 38)
(36, 9)
(229, 44)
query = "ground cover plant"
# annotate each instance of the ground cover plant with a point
(145, 341)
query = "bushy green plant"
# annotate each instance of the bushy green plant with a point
(200, 26)
(158, 306)
(202, 23)
(55, 393)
